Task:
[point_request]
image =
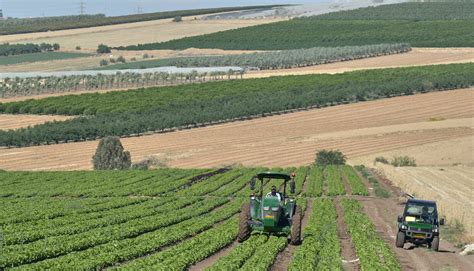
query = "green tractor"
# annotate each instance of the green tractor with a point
(419, 224)
(274, 213)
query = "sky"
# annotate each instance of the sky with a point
(38, 8)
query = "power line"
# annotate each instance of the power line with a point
(139, 9)
(82, 7)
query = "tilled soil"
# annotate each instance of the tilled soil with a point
(356, 129)
(8, 121)
(349, 257)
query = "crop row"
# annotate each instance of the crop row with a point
(238, 187)
(378, 189)
(119, 251)
(37, 209)
(189, 252)
(334, 181)
(15, 255)
(211, 184)
(97, 183)
(265, 254)
(20, 234)
(315, 180)
(300, 178)
(237, 256)
(320, 249)
(373, 252)
(161, 109)
(354, 181)
(27, 86)
(279, 59)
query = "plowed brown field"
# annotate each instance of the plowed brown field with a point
(132, 33)
(17, 121)
(286, 140)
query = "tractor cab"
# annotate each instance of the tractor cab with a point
(273, 212)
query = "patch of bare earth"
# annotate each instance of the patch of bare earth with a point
(8, 122)
(133, 33)
(358, 129)
(349, 257)
(383, 213)
(416, 57)
(445, 173)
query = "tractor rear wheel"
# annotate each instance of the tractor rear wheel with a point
(435, 244)
(400, 239)
(296, 227)
(244, 227)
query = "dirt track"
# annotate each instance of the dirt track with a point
(286, 140)
(383, 212)
(17, 121)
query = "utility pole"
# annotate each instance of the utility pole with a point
(82, 7)
(139, 9)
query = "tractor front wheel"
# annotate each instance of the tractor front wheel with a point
(244, 227)
(435, 244)
(296, 227)
(400, 239)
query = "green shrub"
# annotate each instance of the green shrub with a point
(325, 157)
(103, 49)
(403, 161)
(381, 159)
(104, 62)
(121, 59)
(111, 155)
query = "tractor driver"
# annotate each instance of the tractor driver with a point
(274, 193)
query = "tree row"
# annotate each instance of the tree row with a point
(161, 109)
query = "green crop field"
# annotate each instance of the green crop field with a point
(157, 219)
(156, 109)
(419, 24)
(36, 57)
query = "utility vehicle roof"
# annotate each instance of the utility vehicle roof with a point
(420, 201)
(273, 175)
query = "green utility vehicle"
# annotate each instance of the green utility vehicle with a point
(419, 224)
(273, 213)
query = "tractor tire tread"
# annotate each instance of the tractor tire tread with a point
(296, 227)
(400, 241)
(244, 227)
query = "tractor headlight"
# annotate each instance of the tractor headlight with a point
(266, 208)
(404, 227)
(274, 209)
(435, 230)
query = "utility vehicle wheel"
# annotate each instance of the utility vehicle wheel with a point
(296, 227)
(435, 243)
(400, 239)
(244, 227)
